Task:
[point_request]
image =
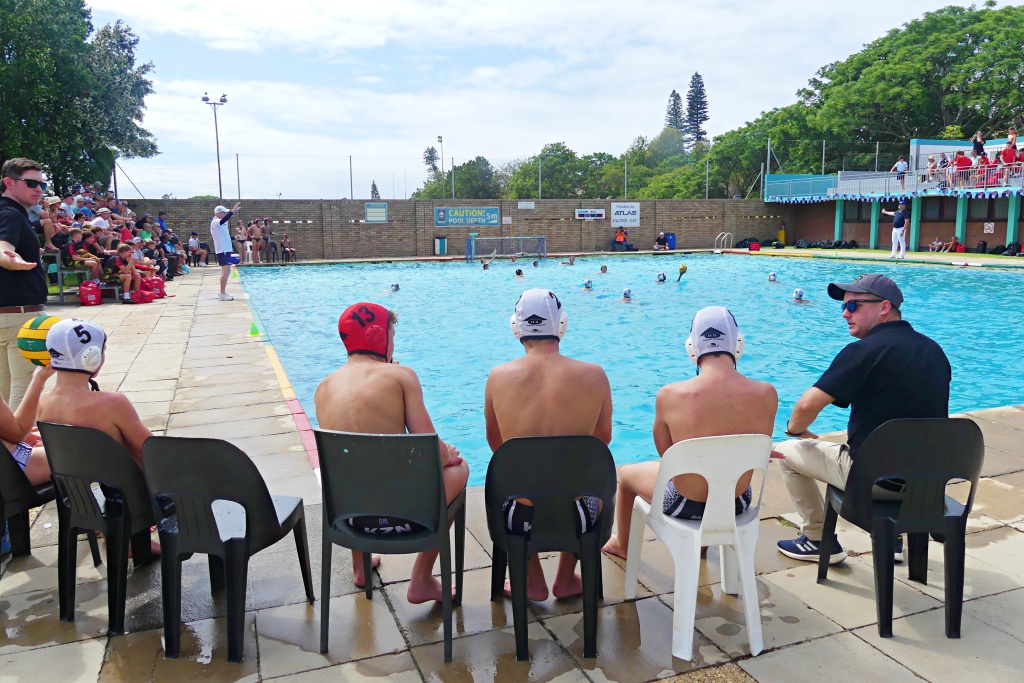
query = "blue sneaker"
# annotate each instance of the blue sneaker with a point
(805, 549)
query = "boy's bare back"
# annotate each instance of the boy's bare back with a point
(366, 397)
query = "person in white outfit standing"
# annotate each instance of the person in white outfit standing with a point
(900, 219)
(222, 245)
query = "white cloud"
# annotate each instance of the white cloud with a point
(495, 78)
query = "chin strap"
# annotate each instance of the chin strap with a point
(93, 384)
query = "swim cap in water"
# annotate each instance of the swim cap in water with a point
(682, 268)
(395, 287)
(76, 345)
(661, 277)
(798, 294)
(771, 277)
(539, 315)
(627, 293)
(714, 330)
(588, 284)
(363, 328)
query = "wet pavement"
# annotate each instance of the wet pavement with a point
(191, 368)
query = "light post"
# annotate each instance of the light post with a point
(216, 133)
(440, 141)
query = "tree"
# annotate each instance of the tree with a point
(430, 159)
(69, 103)
(674, 113)
(374, 192)
(696, 110)
(556, 167)
(957, 66)
(476, 179)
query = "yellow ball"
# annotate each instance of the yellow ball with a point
(32, 339)
(682, 269)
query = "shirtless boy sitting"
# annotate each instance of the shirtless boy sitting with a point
(545, 393)
(371, 394)
(17, 430)
(77, 350)
(717, 402)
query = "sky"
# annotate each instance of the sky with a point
(311, 83)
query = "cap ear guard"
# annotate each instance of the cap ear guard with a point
(739, 348)
(563, 326)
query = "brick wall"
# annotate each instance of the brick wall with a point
(336, 229)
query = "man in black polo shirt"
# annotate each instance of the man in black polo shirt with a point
(22, 277)
(893, 372)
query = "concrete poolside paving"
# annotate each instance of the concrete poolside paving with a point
(191, 368)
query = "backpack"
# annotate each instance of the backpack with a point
(800, 244)
(998, 249)
(1012, 249)
(89, 294)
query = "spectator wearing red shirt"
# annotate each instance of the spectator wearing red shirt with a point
(1009, 158)
(962, 169)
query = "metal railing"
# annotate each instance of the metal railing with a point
(722, 242)
(889, 184)
(800, 186)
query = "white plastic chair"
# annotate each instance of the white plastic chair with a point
(721, 460)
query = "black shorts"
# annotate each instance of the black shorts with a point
(676, 506)
(519, 516)
(384, 525)
(223, 259)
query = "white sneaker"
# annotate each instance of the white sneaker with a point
(225, 297)
(202, 265)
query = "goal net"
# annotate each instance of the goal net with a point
(506, 246)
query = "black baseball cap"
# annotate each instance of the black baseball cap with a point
(869, 283)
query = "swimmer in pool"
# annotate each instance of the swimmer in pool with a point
(372, 394)
(588, 285)
(488, 261)
(772, 277)
(660, 278)
(682, 271)
(604, 270)
(544, 393)
(627, 295)
(571, 261)
(395, 287)
(798, 297)
(536, 263)
(512, 258)
(519, 274)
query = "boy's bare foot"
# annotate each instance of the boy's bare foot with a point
(357, 570)
(425, 590)
(567, 587)
(613, 547)
(538, 592)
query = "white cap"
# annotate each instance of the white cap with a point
(76, 345)
(798, 293)
(136, 240)
(539, 315)
(220, 209)
(627, 293)
(714, 330)
(771, 276)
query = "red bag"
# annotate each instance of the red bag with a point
(156, 285)
(755, 246)
(961, 249)
(141, 297)
(89, 294)
(145, 285)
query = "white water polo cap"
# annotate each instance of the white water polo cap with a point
(714, 330)
(539, 315)
(798, 294)
(76, 345)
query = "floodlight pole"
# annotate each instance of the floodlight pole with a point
(440, 141)
(216, 132)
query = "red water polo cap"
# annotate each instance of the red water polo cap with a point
(363, 328)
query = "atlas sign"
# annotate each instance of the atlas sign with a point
(625, 214)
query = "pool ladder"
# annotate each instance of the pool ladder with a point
(723, 242)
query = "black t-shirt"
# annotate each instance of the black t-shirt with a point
(892, 373)
(21, 287)
(900, 218)
(59, 239)
(661, 241)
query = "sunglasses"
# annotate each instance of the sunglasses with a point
(32, 183)
(852, 304)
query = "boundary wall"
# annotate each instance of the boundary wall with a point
(336, 229)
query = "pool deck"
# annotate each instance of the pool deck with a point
(191, 368)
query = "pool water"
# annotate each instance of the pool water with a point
(454, 327)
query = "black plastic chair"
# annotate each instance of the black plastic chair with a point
(119, 507)
(927, 454)
(17, 497)
(551, 472)
(389, 475)
(209, 498)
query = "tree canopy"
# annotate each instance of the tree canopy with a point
(944, 75)
(70, 98)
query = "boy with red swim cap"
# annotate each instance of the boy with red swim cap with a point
(372, 394)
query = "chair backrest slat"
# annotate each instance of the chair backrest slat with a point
(552, 472)
(721, 461)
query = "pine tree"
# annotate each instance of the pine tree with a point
(430, 159)
(374, 192)
(674, 112)
(696, 110)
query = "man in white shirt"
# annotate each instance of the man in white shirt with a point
(222, 245)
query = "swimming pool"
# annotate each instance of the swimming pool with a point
(453, 328)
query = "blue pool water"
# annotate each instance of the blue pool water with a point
(453, 328)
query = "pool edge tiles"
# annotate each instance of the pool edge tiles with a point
(302, 423)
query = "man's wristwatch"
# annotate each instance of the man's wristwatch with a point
(789, 433)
